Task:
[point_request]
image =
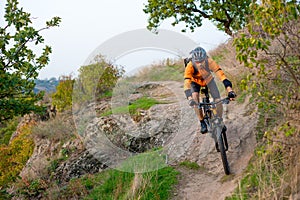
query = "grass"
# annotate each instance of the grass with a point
(57, 129)
(129, 181)
(144, 162)
(161, 72)
(191, 165)
(227, 178)
(143, 103)
(106, 94)
(113, 184)
(221, 55)
(125, 185)
(264, 175)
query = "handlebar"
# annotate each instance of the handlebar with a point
(226, 100)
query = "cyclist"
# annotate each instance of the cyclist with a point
(198, 74)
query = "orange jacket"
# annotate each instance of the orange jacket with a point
(203, 77)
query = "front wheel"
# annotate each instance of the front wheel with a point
(222, 149)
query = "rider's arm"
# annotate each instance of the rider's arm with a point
(188, 74)
(214, 67)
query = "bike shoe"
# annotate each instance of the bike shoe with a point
(203, 127)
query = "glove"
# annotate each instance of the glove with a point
(192, 102)
(231, 95)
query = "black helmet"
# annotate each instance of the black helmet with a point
(198, 54)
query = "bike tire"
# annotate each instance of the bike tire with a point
(221, 146)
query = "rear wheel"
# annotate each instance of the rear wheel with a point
(222, 149)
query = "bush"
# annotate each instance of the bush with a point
(7, 129)
(57, 129)
(95, 80)
(15, 155)
(62, 98)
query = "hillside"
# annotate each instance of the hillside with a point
(47, 85)
(143, 141)
(103, 135)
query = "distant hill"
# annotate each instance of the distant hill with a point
(47, 85)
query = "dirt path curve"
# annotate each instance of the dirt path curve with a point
(210, 182)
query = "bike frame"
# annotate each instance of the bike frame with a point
(215, 127)
(211, 118)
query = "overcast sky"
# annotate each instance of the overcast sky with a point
(87, 24)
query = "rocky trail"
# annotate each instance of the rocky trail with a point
(187, 144)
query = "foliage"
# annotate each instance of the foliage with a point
(62, 98)
(269, 48)
(227, 15)
(270, 51)
(95, 80)
(30, 189)
(19, 65)
(7, 129)
(15, 155)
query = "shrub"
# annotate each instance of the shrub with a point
(57, 129)
(96, 79)
(15, 155)
(62, 98)
(7, 129)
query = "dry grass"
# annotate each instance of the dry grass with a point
(59, 129)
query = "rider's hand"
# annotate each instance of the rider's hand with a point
(192, 102)
(231, 95)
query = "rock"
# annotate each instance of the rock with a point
(84, 163)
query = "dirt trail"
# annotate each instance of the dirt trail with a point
(210, 182)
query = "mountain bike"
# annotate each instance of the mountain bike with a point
(216, 127)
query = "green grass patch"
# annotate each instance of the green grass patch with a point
(144, 162)
(115, 185)
(143, 103)
(191, 165)
(124, 185)
(106, 94)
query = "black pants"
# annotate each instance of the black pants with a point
(212, 87)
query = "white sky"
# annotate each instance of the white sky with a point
(86, 24)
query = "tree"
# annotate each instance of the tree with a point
(227, 15)
(95, 80)
(62, 98)
(270, 48)
(19, 65)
